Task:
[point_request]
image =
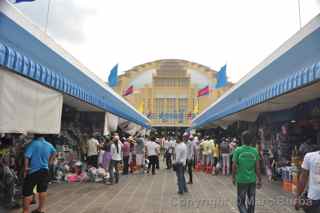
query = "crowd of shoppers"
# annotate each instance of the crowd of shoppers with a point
(30, 163)
(114, 156)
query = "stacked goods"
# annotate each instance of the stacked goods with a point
(198, 166)
(209, 169)
(287, 179)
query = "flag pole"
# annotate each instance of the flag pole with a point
(198, 107)
(299, 9)
(47, 18)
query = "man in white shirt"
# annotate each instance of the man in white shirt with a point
(310, 173)
(168, 146)
(116, 149)
(197, 151)
(140, 150)
(191, 150)
(181, 158)
(225, 153)
(92, 152)
(152, 150)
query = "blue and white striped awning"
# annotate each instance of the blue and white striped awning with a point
(27, 55)
(295, 65)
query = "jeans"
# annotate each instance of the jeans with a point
(246, 197)
(152, 163)
(125, 165)
(205, 160)
(267, 165)
(210, 159)
(225, 164)
(114, 164)
(168, 160)
(157, 163)
(190, 164)
(182, 186)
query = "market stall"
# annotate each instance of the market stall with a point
(280, 98)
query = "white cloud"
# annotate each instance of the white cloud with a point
(210, 32)
(65, 20)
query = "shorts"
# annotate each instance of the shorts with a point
(215, 161)
(39, 178)
(140, 159)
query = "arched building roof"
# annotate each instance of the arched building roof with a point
(141, 75)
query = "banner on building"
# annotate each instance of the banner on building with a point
(28, 107)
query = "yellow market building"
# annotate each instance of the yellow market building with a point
(166, 91)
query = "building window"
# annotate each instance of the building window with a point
(183, 105)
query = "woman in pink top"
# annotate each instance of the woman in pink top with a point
(107, 156)
(126, 155)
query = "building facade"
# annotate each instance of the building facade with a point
(166, 91)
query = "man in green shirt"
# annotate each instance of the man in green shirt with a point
(246, 173)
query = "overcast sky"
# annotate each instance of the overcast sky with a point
(101, 33)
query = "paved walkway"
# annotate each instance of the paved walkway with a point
(158, 194)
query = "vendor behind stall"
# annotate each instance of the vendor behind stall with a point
(8, 180)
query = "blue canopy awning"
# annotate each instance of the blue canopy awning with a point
(23, 53)
(293, 69)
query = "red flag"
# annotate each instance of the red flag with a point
(203, 91)
(128, 91)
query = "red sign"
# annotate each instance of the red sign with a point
(203, 91)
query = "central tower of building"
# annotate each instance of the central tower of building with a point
(166, 91)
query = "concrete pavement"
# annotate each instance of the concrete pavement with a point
(158, 194)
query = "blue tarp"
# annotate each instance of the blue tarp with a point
(296, 68)
(24, 54)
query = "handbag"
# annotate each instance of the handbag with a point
(174, 167)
